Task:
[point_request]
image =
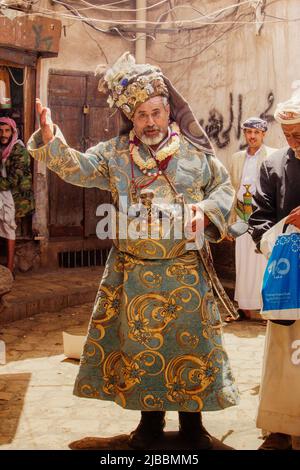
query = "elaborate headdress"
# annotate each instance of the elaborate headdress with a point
(129, 85)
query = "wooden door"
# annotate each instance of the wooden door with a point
(81, 113)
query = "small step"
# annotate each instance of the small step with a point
(39, 292)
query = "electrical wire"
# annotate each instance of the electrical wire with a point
(180, 23)
(113, 10)
(173, 61)
(176, 80)
(184, 45)
(93, 39)
(136, 22)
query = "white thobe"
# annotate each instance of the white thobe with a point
(249, 265)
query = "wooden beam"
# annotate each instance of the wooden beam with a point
(31, 33)
(29, 101)
(15, 57)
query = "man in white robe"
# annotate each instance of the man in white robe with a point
(278, 197)
(244, 170)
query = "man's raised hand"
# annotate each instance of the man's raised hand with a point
(45, 121)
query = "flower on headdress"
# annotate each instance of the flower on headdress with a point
(132, 100)
(142, 80)
(124, 82)
(126, 109)
(149, 88)
(131, 89)
(118, 89)
(122, 99)
(141, 95)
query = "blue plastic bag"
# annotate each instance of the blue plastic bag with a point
(281, 282)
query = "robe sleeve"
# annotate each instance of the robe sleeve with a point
(218, 200)
(89, 169)
(264, 216)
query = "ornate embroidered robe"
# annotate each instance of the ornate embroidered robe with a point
(154, 341)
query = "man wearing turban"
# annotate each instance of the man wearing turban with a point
(154, 341)
(244, 170)
(16, 198)
(278, 197)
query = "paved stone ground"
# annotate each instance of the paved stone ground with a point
(38, 410)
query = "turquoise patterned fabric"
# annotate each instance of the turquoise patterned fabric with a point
(154, 341)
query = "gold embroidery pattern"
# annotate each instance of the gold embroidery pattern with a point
(188, 376)
(121, 373)
(149, 314)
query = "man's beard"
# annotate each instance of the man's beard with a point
(7, 141)
(153, 140)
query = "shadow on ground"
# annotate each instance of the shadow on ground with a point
(170, 441)
(13, 389)
(245, 328)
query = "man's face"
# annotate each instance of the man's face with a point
(151, 120)
(292, 135)
(254, 138)
(5, 134)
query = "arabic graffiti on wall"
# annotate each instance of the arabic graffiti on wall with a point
(215, 126)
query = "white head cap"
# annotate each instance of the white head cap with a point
(289, 111)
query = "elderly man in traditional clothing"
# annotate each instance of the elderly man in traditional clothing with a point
(16, 197)
(154, 341)
(277, 197)
(244, 170)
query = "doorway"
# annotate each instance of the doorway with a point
(85, 119)
(17, 93)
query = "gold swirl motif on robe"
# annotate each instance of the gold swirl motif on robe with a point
(178, 249)
(121, 373)
(69, 165)
(122, 158)
(87, 390)
(149, 247)
(210, 318)
(185, 270)
(117, 174)
(149, 314)
(151, 279)
(196, 190)
(107, 306)
(187, 377)
(151, 402)
(187, 340)
(126, 263)
(63, 166)
(93, 352)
